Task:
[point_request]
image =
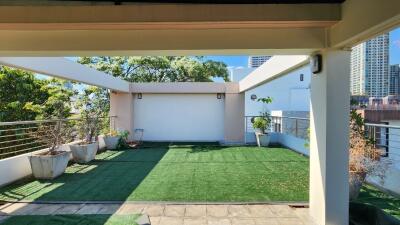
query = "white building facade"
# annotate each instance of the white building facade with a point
(370, 68)
(290, 92)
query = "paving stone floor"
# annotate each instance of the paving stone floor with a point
(173, 214)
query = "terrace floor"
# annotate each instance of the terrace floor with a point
(176, 174)
(175, 185)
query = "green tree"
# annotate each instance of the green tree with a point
(58, 104)
(159, 68)
(19, 88)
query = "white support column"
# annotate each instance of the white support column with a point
(329, 141)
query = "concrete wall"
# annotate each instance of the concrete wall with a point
(179, 117)
(288, 93)
(286, 140)
(18, 167)
(121, 106)
(181, 111)
(234, 118)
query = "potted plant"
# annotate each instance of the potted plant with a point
(261, 123)
(364, 157)
(86, 150)
(53, 162)
(110, 140)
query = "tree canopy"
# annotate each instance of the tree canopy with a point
(18, 89)
(24, 97)
(159, 68)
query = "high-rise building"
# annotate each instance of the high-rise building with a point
(257, 60)
(394, 84)
(370, 68)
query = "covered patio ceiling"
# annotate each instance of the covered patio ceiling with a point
(69, 28)
(42, 2)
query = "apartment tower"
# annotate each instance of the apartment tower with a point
(370, 68)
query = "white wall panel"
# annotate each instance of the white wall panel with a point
(180, 117)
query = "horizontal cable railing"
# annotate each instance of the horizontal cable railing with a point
(385, 137)
(21, 137)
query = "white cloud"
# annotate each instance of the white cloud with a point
(397, 43)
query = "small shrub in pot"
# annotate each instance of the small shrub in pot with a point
(88, 130)
(261, 124)
(52, 162)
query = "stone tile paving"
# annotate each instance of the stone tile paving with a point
(173, 214)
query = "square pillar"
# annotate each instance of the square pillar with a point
(234, 124)
(329, 140)
(121, 106)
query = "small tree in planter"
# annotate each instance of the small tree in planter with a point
(364, 158)
(262, 123)
(52, 163)
(88, 129)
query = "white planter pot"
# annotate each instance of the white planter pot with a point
(111, 142)
(84, 153)
(263, 139)
(49, 166)
(102, 144)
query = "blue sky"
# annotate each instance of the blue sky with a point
(394, 56)
(394, 53)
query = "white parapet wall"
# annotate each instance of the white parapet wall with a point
(18, 167)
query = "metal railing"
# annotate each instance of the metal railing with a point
(21, 137)
(385, 137)
(295, 126)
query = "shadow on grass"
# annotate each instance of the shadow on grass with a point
(113, 176)
(373, 196)
(72, 220)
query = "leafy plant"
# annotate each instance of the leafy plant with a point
(123, 141)
(264, 120)
(124, 134)
(260, 123)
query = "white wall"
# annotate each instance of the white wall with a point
(18, 167)
(238, 73)
(288, 93)
(180, 117)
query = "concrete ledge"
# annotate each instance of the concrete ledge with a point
(19, 167)
(184, 88)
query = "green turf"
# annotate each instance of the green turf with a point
(72, 220)
(177, 173)
(373, 196)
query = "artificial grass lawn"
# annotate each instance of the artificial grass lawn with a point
(72, 220)
(177, 173)
(373, 196)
